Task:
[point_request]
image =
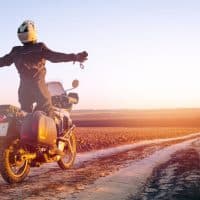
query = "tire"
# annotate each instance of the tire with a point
(67, 161)
(13, 170)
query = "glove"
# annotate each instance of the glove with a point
(82, 56)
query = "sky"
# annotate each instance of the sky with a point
(143, 54)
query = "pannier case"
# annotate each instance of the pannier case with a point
(38, 129)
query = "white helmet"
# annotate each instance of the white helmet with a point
(27, 32)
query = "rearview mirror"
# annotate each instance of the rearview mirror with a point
(75, 83)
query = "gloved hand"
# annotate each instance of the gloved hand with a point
(82, 56)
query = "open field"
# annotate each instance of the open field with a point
(108, 128)
(137, 118)
(92, 138)
(49, 182)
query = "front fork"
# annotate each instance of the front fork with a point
(65, 139)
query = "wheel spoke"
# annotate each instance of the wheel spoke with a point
(70, 146)
(16, 165)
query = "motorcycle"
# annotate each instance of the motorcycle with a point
(28, 139)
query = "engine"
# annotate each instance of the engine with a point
(62, 119)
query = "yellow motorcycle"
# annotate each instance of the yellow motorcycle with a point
(29, 139)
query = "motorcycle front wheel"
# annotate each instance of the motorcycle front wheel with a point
(12, 167)
(68, 159)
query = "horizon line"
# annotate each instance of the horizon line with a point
(137, 109)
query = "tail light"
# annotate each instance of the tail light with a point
(2, 118)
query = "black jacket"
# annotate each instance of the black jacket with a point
(30, 60)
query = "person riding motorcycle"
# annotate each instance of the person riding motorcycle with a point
(30, 59)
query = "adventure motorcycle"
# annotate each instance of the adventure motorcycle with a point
(28, 139)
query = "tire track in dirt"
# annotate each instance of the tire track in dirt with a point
(176, 179)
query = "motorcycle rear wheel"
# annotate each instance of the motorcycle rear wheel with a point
(13, 169)
(67, 161)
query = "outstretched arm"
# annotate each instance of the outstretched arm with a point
(6, 60)
(53, 56)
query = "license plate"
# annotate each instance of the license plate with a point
(3, 129)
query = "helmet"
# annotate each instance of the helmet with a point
(27, 32)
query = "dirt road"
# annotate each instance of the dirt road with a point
(176, 179)
(96, 175)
